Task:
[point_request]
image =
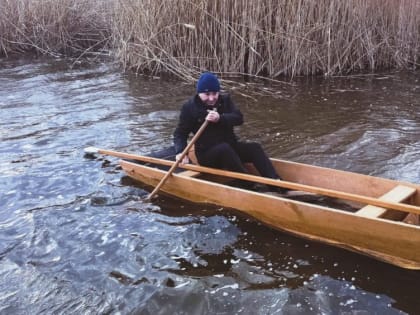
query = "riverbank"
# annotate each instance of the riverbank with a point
(269, 39)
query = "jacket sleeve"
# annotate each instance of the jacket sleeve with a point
(231, 115)
(183, 129)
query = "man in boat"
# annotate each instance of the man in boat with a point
(218, 146)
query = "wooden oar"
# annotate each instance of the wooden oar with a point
(264, 180)
(178, 161)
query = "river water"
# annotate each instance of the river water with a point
(76, 237)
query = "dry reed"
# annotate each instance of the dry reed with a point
(65, 27)
(267, 38)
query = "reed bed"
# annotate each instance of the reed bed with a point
(64, 27)
(266, 38)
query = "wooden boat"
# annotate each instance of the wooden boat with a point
(382, 225)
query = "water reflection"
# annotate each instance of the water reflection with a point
(76, 237)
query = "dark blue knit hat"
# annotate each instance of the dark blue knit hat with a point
(208, 82)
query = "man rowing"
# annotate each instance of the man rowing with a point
(218, 146)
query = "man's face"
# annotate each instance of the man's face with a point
(209, 98)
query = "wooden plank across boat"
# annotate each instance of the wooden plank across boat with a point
(389, 235)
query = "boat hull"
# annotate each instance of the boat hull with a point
(390, 241)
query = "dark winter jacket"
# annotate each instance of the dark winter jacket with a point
(193, 114)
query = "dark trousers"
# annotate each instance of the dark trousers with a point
(232, 157)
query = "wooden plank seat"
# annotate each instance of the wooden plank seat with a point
(399, 193)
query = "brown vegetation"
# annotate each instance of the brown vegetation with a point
(268, 38)
(64, 27)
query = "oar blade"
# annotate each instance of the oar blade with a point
(91, 150)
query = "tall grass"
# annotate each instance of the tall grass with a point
(268, 38)
(65, 27)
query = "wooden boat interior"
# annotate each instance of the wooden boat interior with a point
(380, 188)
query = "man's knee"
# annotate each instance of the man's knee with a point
(254, 146)
(251, 150)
